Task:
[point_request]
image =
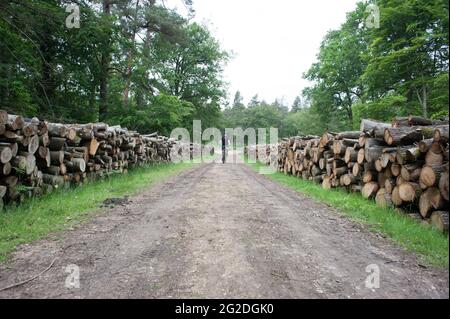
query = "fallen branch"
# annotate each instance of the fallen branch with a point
(31, 279)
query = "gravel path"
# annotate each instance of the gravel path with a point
(219, 231)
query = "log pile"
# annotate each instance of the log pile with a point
(37, 156)
(404, 164)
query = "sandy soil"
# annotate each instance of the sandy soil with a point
(219, 231)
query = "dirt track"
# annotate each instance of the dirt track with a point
(220, 231)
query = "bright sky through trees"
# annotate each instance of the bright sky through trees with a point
(274, 42)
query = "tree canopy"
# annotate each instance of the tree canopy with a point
(137, 63)
(398, 69)
(134, 63)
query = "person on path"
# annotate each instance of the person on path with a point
(224, 147)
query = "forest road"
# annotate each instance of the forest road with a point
(219, 231)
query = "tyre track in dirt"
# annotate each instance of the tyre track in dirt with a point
(220, 231)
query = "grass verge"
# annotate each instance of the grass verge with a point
(429, 244)
(37, 217)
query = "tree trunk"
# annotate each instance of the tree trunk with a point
(424, 100)
(104, 73)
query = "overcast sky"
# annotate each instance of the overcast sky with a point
(274, 41)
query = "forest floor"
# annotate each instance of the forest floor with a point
(219, 231)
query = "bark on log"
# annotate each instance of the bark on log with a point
(361, 156)
(396, 196)
(56, 143)
(383, 199)
(15, 122)
(56, 181)
(407, 154)
(351, 155)
(349, 179)
(5, 169)
(389, 185)
(326, 183)
(431, 175)
(388, 156)
(370, 125)
(418, 121)
(425, 145)
(76, 165)
(56, 157)
(3, 190)
(429, 201)
(5, 154)
(402, 136)
(53, 170)
(411, 172)
(439, 220)
(443, 185)
(396, 169)
(356, 170)
(440, 134)
(57, 130)
(400, 122)
(433, 158)
(326, 139)
(3, 117)
(409, 192)
(33, 144)
(372, 153)
(353, 135)
(370, 189)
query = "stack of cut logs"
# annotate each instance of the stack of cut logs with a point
(404, 164)
(36, 156)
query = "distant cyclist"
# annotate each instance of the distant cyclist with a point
(224, 147)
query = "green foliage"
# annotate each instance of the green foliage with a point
(256, 115)
(168, 112)
(438, 99)
(165, 113)
(384, 109)
(297, 105)
(398, 69)
(338, 69)
(191, 70)
(303, 122)
(121, 66)
(300, 120)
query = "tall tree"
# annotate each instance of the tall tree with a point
(192, 70)
(296, 105)
(105, 61)
(254, 101)
(409, 50)
(238, 99)
(341, 63)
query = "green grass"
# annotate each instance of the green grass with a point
(429, 244)
(36, 218)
